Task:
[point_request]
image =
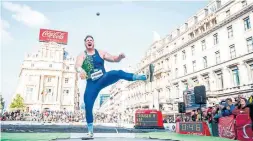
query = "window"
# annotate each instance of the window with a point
(48, 90)
(29, 92)
(244, 3)
(195, 80)
(67, 67)
(215, 38)
(191, 35)
(251, 71)
(50, 65)
(183, 55)
(232, 51)
(52, 54)
(194, 65)
(66, 92)
(196, 31)
(220, 84)
(175, 56)
(177, 90)
(203, 44)
(30, 78)
(249, 44)
(206, 81)
(185, 70)
(205, 62)
(193, 50)
(32, 65)
(208, 26)
(217, 56)
(247, 25)
(66, 80)
(230, 31)
(236, 77)
(49, 79)
(228, 13)
(202, 29)
(176, 72)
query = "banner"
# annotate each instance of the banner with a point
(243, 126)
(170, 127)
(226, 127)
(59, 37)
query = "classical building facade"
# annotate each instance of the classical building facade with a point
(48, 80)
(212, 48)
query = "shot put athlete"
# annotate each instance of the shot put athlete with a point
(90, 66)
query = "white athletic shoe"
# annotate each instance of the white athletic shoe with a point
(90, 135)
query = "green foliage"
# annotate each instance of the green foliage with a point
(2, 102)
(18, 102)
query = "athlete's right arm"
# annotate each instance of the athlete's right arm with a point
(78, 65)
(79, 62)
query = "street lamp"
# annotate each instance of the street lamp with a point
(151, 79)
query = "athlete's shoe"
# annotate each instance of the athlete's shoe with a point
(90, 135)
(139, 77)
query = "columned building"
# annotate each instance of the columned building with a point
(48, 80)
(214, 48)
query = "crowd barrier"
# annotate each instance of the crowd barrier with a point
(238, 128)
(226, 127)
(243, 128)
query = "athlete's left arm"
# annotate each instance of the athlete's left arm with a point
(108, 57)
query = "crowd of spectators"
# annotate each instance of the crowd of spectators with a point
(227, 107)
(45, 116)
(239, 105)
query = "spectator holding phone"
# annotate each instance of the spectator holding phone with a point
(229, 107)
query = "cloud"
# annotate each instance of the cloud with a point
(25, 15)
(5, 36)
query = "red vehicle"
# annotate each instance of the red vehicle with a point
(148, 119)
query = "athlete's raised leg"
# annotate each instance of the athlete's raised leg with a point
(115, 75)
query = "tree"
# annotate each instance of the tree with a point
(2, 102)
(18, 102)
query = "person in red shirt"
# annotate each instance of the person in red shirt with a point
(241, 108)
(178, 119)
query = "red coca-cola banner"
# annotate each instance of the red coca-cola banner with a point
(226, 127)
(243, 127)
(47, 35)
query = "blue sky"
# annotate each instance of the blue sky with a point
(122, 27)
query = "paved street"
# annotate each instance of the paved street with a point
(26, 132)
(107, 136)
(113, 139)
(68, 129)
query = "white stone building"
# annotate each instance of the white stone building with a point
(48, 80)
(214, 48)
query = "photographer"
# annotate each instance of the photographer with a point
(216, 115)
(228, 108)
(217, 112)
(209, 117)
(193, 115)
